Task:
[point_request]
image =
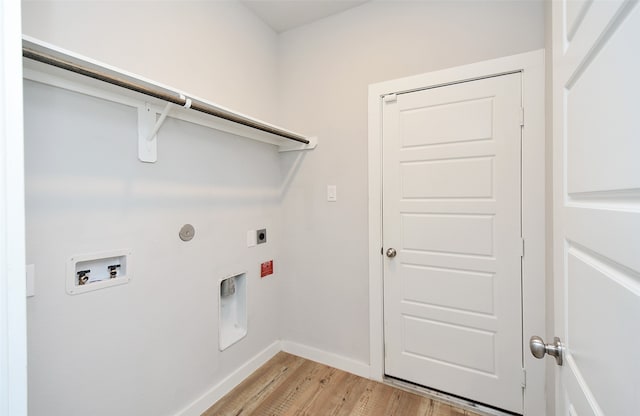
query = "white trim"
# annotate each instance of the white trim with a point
(531, 64)
(231, 381)
(332, 360)
(533, 229)
(13, 313)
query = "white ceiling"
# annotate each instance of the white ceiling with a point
(283, 15)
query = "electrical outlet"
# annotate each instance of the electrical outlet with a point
(261, 236)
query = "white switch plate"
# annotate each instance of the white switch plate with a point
(31, 280)
(251, 238)
(332, 193)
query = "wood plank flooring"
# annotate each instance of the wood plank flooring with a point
(288, 385)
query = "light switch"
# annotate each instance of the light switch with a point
(31, 280)
(251, 238)
(332, 193)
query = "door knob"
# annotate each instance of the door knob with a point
(391, 252)
(539, 348)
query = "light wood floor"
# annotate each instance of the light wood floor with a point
(288, 385)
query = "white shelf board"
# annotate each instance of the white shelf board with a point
(61, 78)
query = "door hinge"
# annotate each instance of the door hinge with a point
(522, 247)
(389, 98)
(521, 116)
(524, 378)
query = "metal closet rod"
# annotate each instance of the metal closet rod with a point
(195, 105)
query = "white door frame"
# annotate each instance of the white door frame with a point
(531, 64)
(13, 312)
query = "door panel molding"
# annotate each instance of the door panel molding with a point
(531, 65)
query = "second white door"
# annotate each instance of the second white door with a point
(451, 212)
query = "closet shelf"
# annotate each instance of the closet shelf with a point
(55, 66)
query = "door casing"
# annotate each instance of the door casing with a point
(531, 65)
(13, 306)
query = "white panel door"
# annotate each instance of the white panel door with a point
(451, 210)
(597, 206)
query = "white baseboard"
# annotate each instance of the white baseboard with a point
(333, 360)
(232, 380)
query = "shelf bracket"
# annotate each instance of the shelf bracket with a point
(313, 142)
(148, 128)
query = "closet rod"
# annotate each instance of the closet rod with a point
(178, 100)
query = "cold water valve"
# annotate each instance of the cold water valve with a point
(113, 271)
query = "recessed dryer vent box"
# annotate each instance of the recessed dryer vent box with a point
(232, 324)
(87, 272)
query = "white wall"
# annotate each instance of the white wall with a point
(217, 50)
(149, 347)
(325, 69)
